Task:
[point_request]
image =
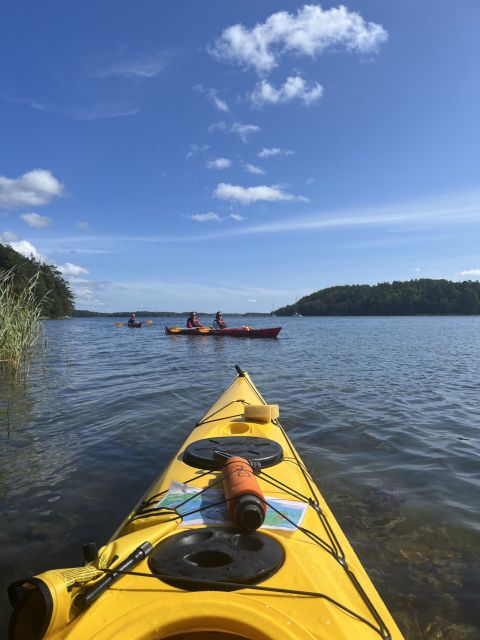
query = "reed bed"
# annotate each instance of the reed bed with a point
(20, 323)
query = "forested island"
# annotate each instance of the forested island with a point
(51, 290)
(413, 297)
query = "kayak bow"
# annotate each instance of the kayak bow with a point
(232, 541)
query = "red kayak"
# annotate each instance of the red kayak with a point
(237, 332)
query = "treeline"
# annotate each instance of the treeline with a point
(84, 313)
(414, 297)
(51, 289)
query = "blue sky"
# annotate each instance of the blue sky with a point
(238, 155)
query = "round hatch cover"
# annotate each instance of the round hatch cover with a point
(218, 554)
(201, 453)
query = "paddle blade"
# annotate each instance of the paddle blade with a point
(174, 329)
(148, 321)
(119, 324)
(203, 330)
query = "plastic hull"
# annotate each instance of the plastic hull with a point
(234, 332)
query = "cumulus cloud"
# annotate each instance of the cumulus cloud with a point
(309, 32)
(294, 88)
(217, 126)
(249, 195)
(34, 188)
(8, 236)
(470, 272)
(237, 217)
(69, 269)
(252, 168)
(205, 217)
(195, 149)
(219, 163)
(27, 249)
(244, 131)
(35, 220)
(274, 151)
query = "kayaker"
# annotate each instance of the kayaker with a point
(193, 321)
(219, 322)
(132, 319)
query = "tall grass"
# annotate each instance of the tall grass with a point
(20, 326)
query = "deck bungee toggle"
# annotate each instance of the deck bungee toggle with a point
(191, 562)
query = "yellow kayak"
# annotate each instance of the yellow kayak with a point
(233, 541)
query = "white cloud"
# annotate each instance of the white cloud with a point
(102, 112)
(309, 32)
(248, 195)
(27, 249)
(85, 113)
(252, 168)
(244, 131)
(237, 217)
(35, 220)
(266, 153)
(143, 66)
(446, 210)
(294, 88)
(195, 149)
(251, 300)
(470, 272)
(217, 126)
(205, 217)
(8, 236)
(82, 224)
(220, 104)
(310, 180)
(69, 269)
(219, 163)
(34, 188)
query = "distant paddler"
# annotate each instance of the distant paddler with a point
(219, 322)
(192, 321)
(132, 321)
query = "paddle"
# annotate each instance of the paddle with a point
(193, 329)
(122, 324)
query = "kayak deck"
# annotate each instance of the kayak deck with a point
(317, 588)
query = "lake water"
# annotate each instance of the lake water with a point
(384, 411)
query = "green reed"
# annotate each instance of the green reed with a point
(20, 326)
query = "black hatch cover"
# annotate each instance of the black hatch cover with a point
(201, 453)
(218, 554)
